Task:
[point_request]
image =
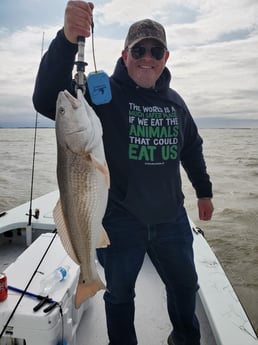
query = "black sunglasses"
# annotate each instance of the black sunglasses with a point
(139, 51)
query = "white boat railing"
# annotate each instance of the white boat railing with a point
(17, 218)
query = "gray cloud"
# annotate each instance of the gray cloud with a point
(213, 47)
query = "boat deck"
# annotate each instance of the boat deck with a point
(222, 318)
(151, 320)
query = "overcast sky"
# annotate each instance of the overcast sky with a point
(213, 50)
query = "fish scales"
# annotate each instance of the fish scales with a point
(83, 180)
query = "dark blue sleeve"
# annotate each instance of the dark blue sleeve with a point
(54, 74)
(193, 161)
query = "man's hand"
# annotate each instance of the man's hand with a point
(78, 19)
(206, 208)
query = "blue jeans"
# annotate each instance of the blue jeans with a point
(169, 247)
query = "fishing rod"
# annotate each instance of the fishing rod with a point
(97, 82)
(28, 228)
(80, 84)
(36, 214)
(100, 93)
(24, 292)
(80, 78)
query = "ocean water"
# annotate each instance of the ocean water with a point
(232, 160)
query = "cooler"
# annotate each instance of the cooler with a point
(57, 327)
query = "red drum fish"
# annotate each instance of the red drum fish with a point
(83, 180)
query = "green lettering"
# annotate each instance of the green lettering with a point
(175, 131)
(133, 148)
(169, 152)
(132, 130)
(147, 153)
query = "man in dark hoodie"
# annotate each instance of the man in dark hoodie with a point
(148, 132)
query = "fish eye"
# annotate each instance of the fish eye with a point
(61, 110)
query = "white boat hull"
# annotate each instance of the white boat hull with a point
(222, 318)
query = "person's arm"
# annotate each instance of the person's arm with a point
(55, 70)
(54, 74)
(193, 161)
(195, 167)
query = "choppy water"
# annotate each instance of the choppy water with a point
(232, 159)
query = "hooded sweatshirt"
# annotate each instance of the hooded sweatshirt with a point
(147, 134)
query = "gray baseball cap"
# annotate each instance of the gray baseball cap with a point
(143, 29)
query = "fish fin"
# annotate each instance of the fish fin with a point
(62, 231)
(103, 168)
(84, 291)
(103, 240)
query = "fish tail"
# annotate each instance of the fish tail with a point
(84, 291)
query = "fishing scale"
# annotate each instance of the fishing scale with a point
(97, 81)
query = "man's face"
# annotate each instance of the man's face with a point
(146, 70)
